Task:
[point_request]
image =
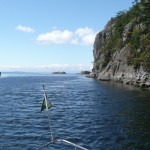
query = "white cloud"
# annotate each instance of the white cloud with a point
(84, 36)
(55, 37)
(88, 39)
(47, 68)
(84, 31)
(25, 29)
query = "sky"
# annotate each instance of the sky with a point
(52, 35)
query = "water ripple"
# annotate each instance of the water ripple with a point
(96, 115)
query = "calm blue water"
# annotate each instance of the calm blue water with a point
(93, 114)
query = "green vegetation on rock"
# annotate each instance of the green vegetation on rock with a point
(132, 28)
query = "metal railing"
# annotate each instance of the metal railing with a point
(64, 141)
(72, 144)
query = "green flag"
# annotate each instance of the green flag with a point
(46, 104)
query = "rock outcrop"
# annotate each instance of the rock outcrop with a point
(85, 72)
(114, 63)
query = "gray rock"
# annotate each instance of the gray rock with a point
(117, 68)
(104, 77)
(91, 75)
(85, 72)
(128, 28)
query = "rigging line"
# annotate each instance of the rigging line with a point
(52, 139)
(48, 114)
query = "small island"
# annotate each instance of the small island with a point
(85, 72)
(59, 72)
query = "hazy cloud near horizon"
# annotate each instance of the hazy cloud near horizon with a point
(47, 68)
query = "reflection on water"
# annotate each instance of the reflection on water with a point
(96, 115)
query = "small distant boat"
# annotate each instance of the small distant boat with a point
(47, 105)
(0, 74)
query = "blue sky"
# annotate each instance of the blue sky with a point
(52, 35)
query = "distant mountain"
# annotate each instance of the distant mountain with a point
(122, 50)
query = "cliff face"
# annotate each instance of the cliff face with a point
(122, 51)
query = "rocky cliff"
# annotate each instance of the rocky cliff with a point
(122, 50)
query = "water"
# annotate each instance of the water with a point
(96, 115)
